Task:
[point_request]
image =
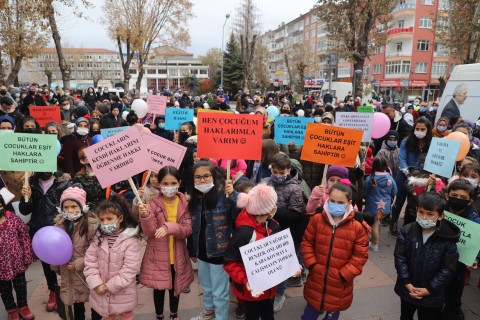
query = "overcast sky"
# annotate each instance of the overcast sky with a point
(205, 27)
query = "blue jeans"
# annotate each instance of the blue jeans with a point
(216, 288)
(311, 314)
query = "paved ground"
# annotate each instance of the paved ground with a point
(373, 298)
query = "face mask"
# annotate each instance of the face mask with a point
(336, 209)
(298, 102)
(278, 179)
(161, 125)
(426, 224)
(457, 204)
(95, 132)
(3, 92)
(204, 188)
(391, 144)
(9, 111)
(108, 228)
(441, 128)
(169, 191)
(44, 176)
(82, 131)
(67, 94)
(422, 109)
(2, 212)
(7, 131)
(420, 134)
(285, 111)
(473, 182)
(183, 136)
(31, 92)
(66, 107)
(30, 130)
(72, 216)
(317, 119)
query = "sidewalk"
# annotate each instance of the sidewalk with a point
(373, 297)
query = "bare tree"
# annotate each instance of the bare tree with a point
(212, 59)
(259, 65)
(296, 58)
(96, 77)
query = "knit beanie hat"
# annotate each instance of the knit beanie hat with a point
(80, 111)
(7, 118)
(259, 201)
(392, 134)
(75, 194)
(337, 171)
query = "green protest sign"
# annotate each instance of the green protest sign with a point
(28, 152)
(469, 243)
(365, 109)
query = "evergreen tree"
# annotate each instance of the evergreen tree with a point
(233, 65)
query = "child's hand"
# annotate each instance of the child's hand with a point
(70, 266)
(142, 209)
(101, 289)
(228, 187)
(298, 273)
(432, 180)
(26, 191)
(320, 189)
(410, 288)
(161, 232)
(362, 167)
(474, 266)
(141, 192)
(250, 289)
(419, 293)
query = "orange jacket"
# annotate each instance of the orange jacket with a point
(334, 256)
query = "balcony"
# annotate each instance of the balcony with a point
(399, 30)
(441, 54)
(398, 54)
(404, 7)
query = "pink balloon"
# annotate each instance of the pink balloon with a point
(381, 125)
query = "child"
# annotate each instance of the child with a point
(320, 193)
(378, 192)
(112, 261)
(166, 221)
(390, 151)
(425, 258)
(151, 189)
(16, 255)
(459, 201)
(471, 173)
(74, 219)
(333, 264)
(86, 177)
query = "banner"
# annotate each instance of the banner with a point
(469, 243)
(365, 109)
(269, 261)
(28, 152)
(441, 157)
(45, 114)
(119, 157)
(175, 117)
(156, 104)
(331, 145)
(162, 152)
(356, 120)
(107, 133)
(290, 129)
(229, 136)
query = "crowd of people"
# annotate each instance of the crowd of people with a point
(196, 214)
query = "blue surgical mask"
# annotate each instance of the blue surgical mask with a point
(392, 144)
(422, 110)
(336, 209)
(278, 179)
(161, 125)
(109, 228)
(441, 128)
(426, 224)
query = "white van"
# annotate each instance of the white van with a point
(464, 77)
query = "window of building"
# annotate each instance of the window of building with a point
(203, 71)
(366, 69)
(397, 67)
(439, 68)
(401, 24)
(423, 45)
(377, 68)
(421, 67)
(312, 33)
(184, 72)
(378, 50)
(321, 30)
(173, 72)
(428, 2)
(151, 71)
(442, 24)
(314, 18)
(344, 71)
(162, 71)
(443, 5)
(306, 36)
(426, 23)
(399, 46)
(132, 71)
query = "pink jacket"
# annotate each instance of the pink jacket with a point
(241, 166)
(155, 272)
(116, 267)
(317, 199)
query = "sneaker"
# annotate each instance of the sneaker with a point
(52, 302)
(294, 282)
(204, 316)
(25, 313)
(278, 303)
(239, 311)
(373, 247)
(13, 314)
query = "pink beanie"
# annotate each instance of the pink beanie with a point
(259, 201)
(75, 194)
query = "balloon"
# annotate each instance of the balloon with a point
(125, 114)
(97, 138)
(464, 143)
(140, 107)
(59, 147)
(52, 245)
(381, 125)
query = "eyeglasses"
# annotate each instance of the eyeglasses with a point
(205, 177)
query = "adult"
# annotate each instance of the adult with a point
(327, 97)
(72, 144)
(4, 93)
(451, 108)
(113, 119)
(90, 98)
(348, 97)
(32, 98)
(160, 129)
(66, 110)
(8, 108)
(397, 123)
(185, 102)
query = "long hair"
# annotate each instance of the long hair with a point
(269, 149)
(118, 206)
(210, 198)
(379, 164)
(413, 141)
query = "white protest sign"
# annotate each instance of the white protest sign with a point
(356, 120)
(270, 261)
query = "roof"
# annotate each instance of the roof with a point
(168, 51)
(80, 50)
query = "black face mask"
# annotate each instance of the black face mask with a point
(3, 92)
(2, 212)
(183, 136)
(94, 133)
(44, 175)
(31, 92)
(285, 111)
(30, 130)
(457, 204)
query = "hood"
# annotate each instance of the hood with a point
(398, 116)
(383, 179)
(246, 219)
(385, 146)
(418, 182)
(130, 232)
(297, 166)
(327, 216)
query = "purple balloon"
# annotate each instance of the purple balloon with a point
(52, 245)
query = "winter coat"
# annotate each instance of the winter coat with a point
(43, 207)
(335, 254)
(391, 155)
(379, 197)
(72, 285)
(71, 144)
(317, 199)
(429, 265)
(241, 166)
(15, 247)
(35, 100)
(95, 193)
(90, 101)
(116, 267)
(109, 121)
(312, 172)
(408, 158)
(247, 230)
(155, 271)
(398, 124)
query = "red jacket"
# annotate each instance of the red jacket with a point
(246, 224)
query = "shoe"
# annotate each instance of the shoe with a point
(304, 277)
(393, 229)
(13, 314)
(204, 316)
(453, 314)
(174, 316)
(25, 313)
(373, 247)
(52, 302)
(239, 311)
(294, 282)
(278, 303)
(187, 290)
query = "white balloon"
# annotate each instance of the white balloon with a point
(124, 115)
(140, 107)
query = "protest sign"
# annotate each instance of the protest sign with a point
(107, 133)
(175, 117)
(156, 104)
(290, 129)
(356, 120)
(365, 109)
(229, 136)
(270, 261)
(331, 145)
(469, 243)
(45, 114)
(441, 156)
(119, 157)
(162, 152)
(213, 111)
(28, 152)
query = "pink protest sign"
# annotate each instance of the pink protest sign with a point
(156, 104)
(162, 152)
(119, 157)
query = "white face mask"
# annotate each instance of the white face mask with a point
(7, 131)
(169, 191)
(473, 182)
(420, 134)
(82, 131)
(66, 107)
(318, 119)
(204, 188)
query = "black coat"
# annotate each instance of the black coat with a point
(109, 121)
(36, 100)
(90, 100)
(431, 265)
(450, 110)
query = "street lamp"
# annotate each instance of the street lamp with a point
(223, 36)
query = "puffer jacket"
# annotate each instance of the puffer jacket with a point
(379, 197)
(247, 229)
(72, 286)
(155, 271)
(317, 199)
(335, 254)
(431, 265)
(391, 155)
(116, 267)
(43, 207)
